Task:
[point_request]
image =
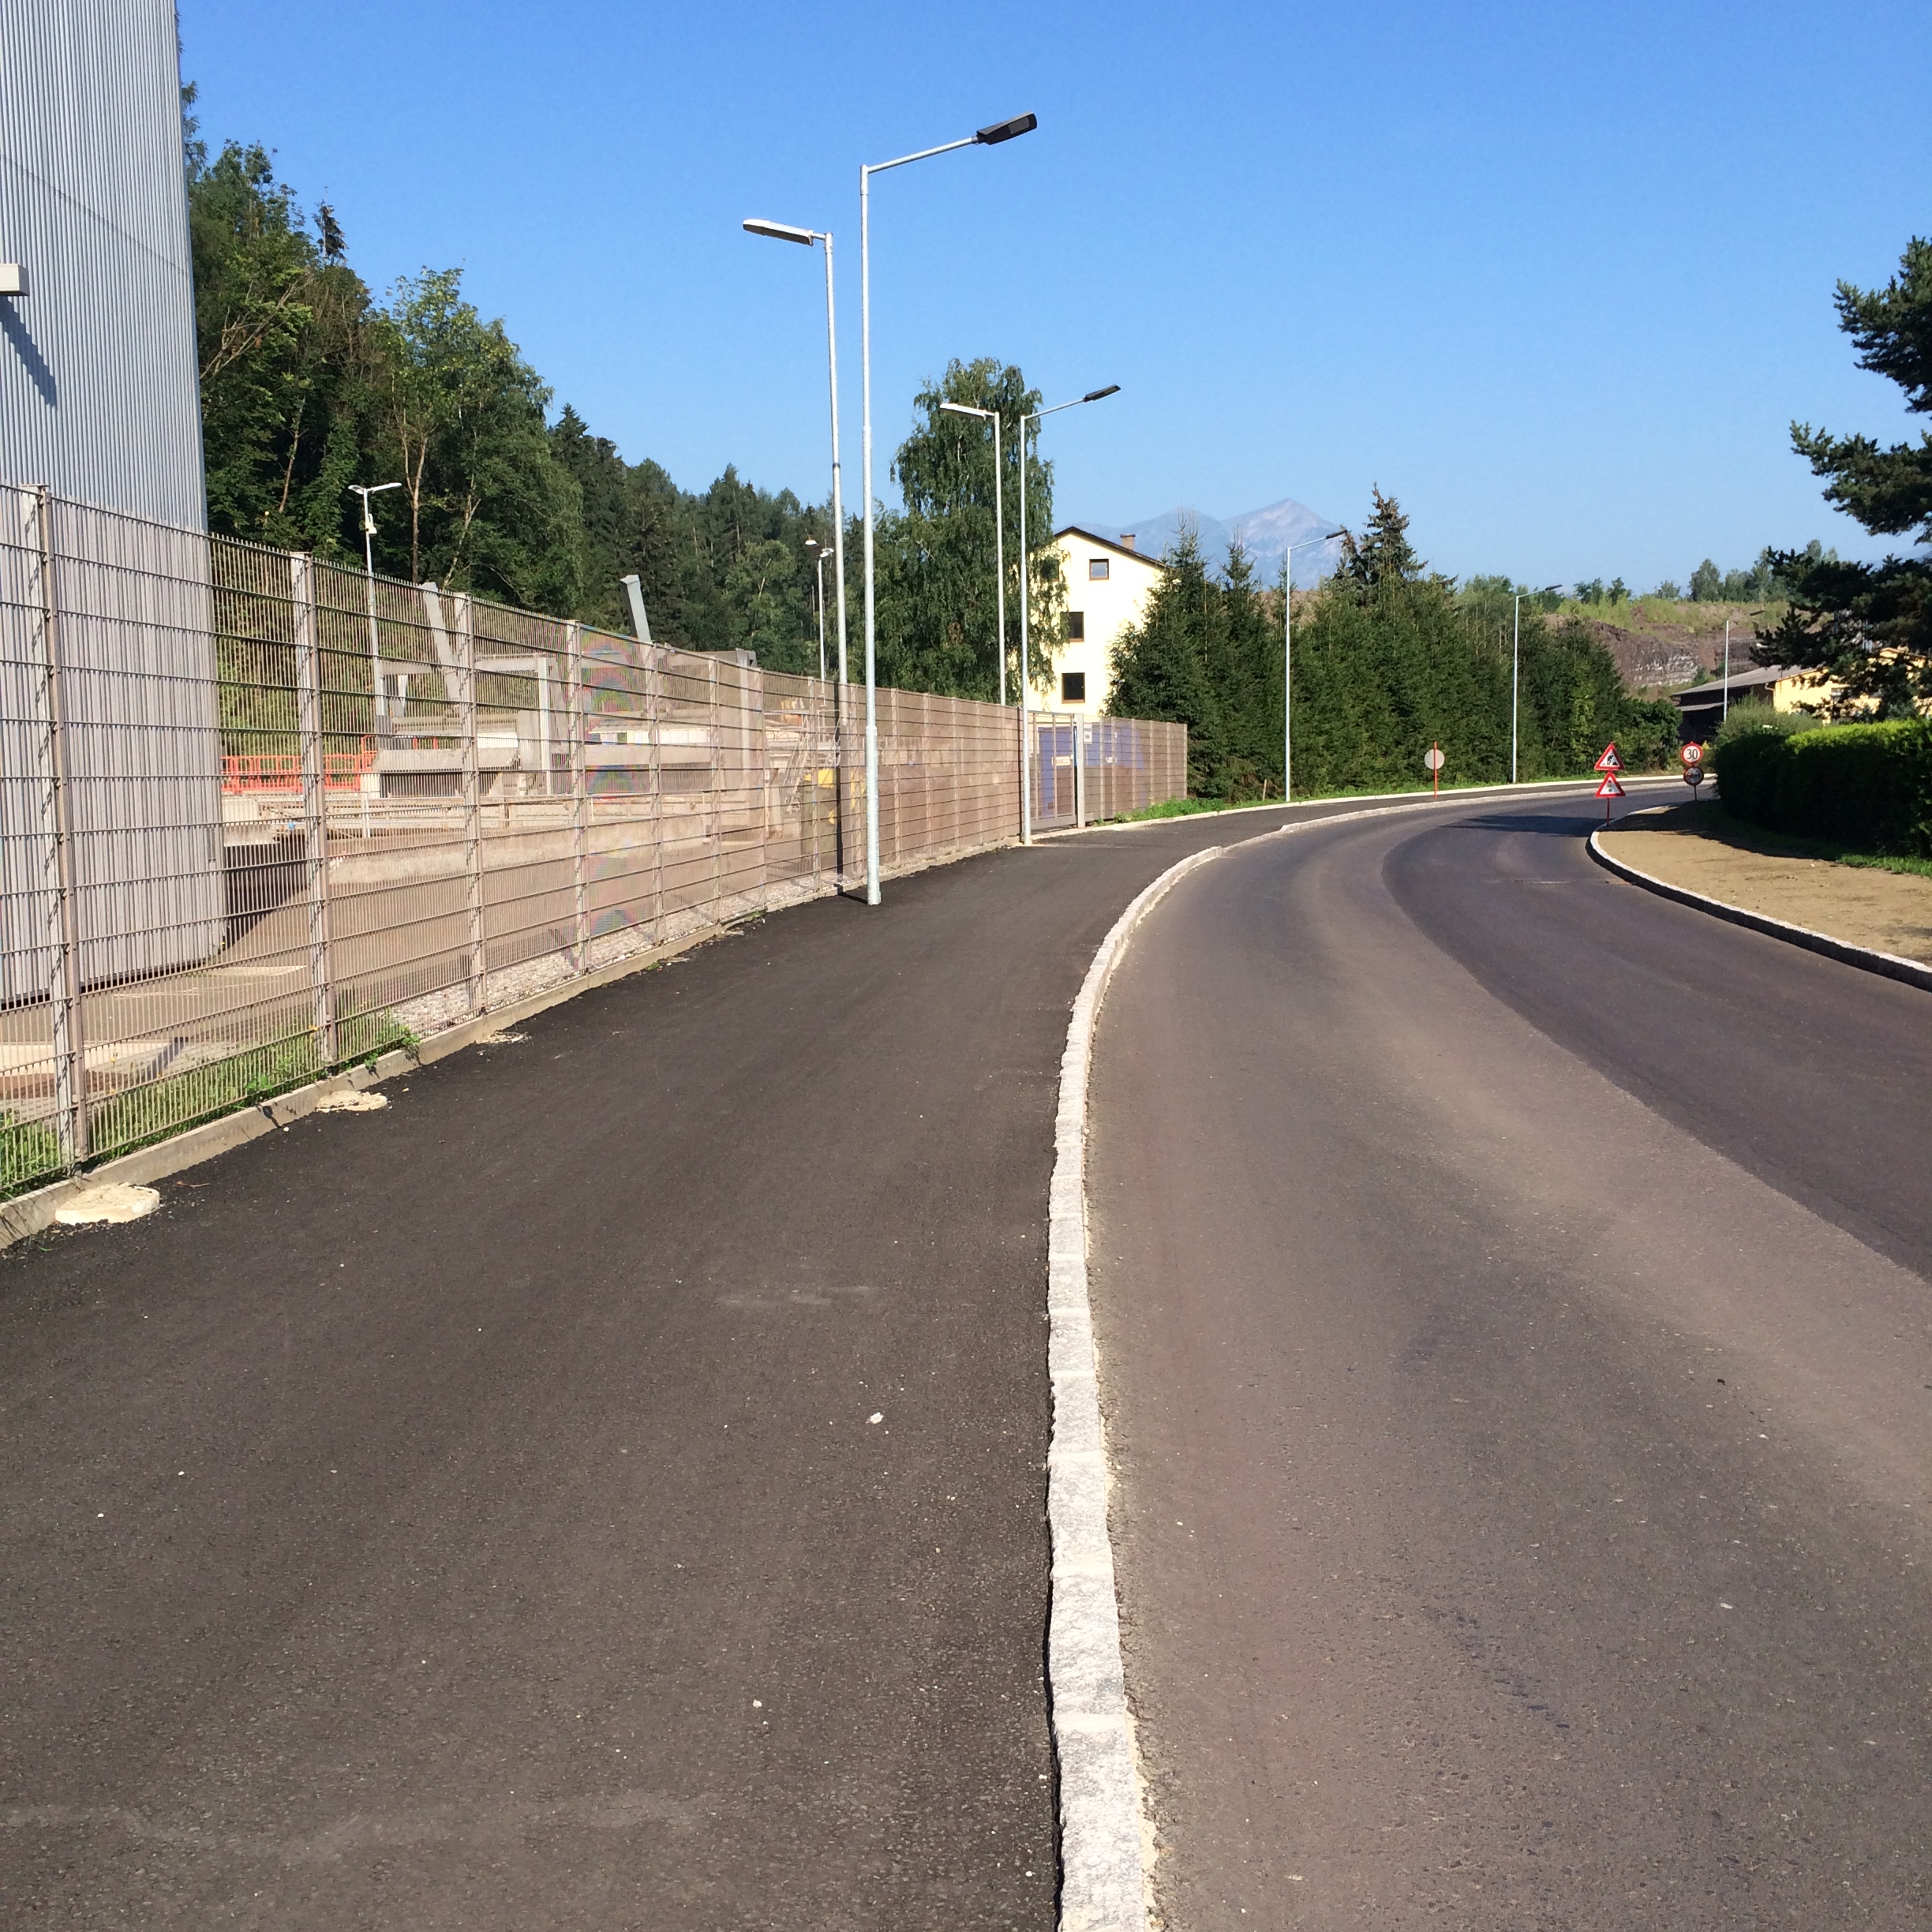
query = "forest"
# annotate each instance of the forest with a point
(312, 382)
(1389, 659)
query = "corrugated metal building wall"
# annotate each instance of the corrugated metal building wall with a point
(99, 398)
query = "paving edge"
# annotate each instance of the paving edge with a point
(1868, 959)
(1104, 1861)
(33, 1213)
(30, 1214)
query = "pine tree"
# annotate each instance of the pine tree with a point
(1868, 626)
(1382, 554)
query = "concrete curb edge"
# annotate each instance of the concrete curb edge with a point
(1104, 1865)
(1106, 1851)
(1913, 972)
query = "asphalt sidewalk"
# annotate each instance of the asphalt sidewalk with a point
(604, 1489)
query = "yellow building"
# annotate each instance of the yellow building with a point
(1107, 587)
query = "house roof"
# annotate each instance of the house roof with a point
(1696, 697)
(1107, 543)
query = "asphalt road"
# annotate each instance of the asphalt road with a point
(604, 1490)
(1511, 1295)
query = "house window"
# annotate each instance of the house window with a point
(1076, 626)
(1072, 687)
(1099, 569)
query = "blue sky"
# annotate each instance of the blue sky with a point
(1557, 276)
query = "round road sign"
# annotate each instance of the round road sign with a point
(1694, 776)
(1691, 753)
(1433, 759)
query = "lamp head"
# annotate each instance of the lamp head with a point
(1094, 395)
(781, 232)
(1005, 130)
(963, 409)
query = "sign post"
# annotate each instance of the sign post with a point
(1693, 757)
(1433, 758)
(1609, 789)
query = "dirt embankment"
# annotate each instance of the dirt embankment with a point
(1667, 645)
(1889, 911)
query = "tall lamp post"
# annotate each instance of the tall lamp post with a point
(1026, 600)
(1288, 657)
(986, 137)
(780, 231)
(1516, 661)
(999, 528)
(365, 491)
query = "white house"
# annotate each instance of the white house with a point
(1107, 584)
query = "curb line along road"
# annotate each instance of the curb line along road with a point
(1103, 1864)
(1107, 1855)
(1868, 959)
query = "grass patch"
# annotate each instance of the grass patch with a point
(1714, 818)
(122, 1122)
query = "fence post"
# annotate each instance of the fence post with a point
(1080, 773)
(472, 796)
(657, 658)
(578, 725)
(315, 805)
(62, 880)
(717, 788)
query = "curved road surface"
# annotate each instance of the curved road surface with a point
(605, 1490)
(474, 1515)
(1511, 1293)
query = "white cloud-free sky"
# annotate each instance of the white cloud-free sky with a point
(1558, 276)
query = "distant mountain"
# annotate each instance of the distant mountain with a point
(1263, 532)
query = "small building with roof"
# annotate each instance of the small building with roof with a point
(1108, 584)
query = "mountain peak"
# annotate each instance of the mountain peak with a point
(1264, 533)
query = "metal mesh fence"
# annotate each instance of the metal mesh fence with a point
(1086, 769)
(261, 816)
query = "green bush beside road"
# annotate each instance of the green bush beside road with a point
(1866, 785)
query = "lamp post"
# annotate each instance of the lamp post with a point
(1516, 661)
(365, 491)
(780, 231)
(1026, 600)
(999, 528)
(1288, 657)
(986, 137)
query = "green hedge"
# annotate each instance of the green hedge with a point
(1864, 785)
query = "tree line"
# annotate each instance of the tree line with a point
(311, 383)
(1389, 658)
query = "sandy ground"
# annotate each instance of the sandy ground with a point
(1891, 912)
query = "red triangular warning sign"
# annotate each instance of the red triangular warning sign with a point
(1609, 762)
(1611, 787)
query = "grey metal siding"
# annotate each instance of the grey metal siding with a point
(99, 390)
(99, 399)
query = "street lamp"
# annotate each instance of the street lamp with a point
(986, 137)
(819, 557)
(1516, 661)
(999, 527)
(1026, 600)
(1288, 656)
(365, 491)
(779, 231)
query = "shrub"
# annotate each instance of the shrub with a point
(1867, 785)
